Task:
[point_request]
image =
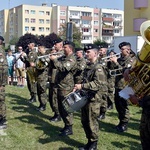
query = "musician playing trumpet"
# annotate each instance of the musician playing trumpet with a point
(125, 61)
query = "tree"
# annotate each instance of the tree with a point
(13, 41)
(77, 35)
(100, 42)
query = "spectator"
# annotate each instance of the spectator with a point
(10, 60)
(19, 67)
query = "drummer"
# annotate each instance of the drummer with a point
(95, 83)
(65, 81)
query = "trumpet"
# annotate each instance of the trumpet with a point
(47, 55)
(118, 55)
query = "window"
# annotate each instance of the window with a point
(86, 14)
(41, 29)
(26, 11)
(95, 14)
(27, 20)
(32, 28)
(62, 20)
(95, 22)
(26, 28)
(47, 21)
(47, 13)
(32, 11)
(86, 22)
(41, 12)
(47, 29)
(41, 21)
(116, 31)
(85, 30)
(95, 30)
(32, 20)
(62, 13)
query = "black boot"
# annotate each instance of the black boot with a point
(32, 99)
(89, 146)
(55, 118)
(101, 116)
(41, 107)
(121, 127)
(3, 124)
(67, 131)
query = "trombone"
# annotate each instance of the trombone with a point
(58, 53)
(107, 58)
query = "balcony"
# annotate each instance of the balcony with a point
(117, 19)
(74, 17)
(86, 41)
(86, 33)
(108, 19)
(85, 26)
(86, 18)
(137, 23)
(107, 33)
(140, 4)
(107, 27)
(118, 27)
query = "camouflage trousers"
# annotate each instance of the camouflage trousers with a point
(2, 104)
(122, 108)
(67, 117)
(89, 114)
(53, 98)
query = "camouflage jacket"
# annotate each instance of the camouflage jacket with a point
(81, 64)
(95, 80)
(122, 64)
(3, 67)
(66, 66)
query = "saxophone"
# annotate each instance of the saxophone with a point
(139, 77)
(31, 73)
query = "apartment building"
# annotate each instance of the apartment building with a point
(94, 23)
(136, 12)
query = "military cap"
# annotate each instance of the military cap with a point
(78, 49)
(57, 41)
(104, 45)
(69, 43)
(90, 46)
(1, 38)
(124, 44)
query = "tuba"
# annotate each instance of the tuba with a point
(139, 77)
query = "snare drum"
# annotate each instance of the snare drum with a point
(75, 101)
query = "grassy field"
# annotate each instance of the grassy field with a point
(29, 129)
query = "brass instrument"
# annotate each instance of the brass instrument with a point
(47, 55)
(31, 73)
(139, 77)
(107, 58)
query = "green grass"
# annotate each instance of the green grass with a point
(29, 129)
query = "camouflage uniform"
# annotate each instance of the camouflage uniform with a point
(65, 84)
(53, 91)
(120, 103)
(104, 104)
(81, 64)
(95, 84)
(3, 82)
(42, 78)
(145, 123)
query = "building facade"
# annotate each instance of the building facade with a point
(94, 23)
(135, 13)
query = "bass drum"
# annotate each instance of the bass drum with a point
(75, 101)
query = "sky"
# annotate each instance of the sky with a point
(113, 4)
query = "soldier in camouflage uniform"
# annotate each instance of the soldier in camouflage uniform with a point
(58, 48)
(42, 75)
(3, 82)
(66, 66)
(95, 83)
(103, 53)
(122, 63)
(81, 64)
(29, 59)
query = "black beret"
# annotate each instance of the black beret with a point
(57, 41)
(1, 38)
(69, 43)
(103, 45)
(124, 44)
(78, 49)
(90, 46)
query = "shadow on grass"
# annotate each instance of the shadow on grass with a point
(37, 118)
